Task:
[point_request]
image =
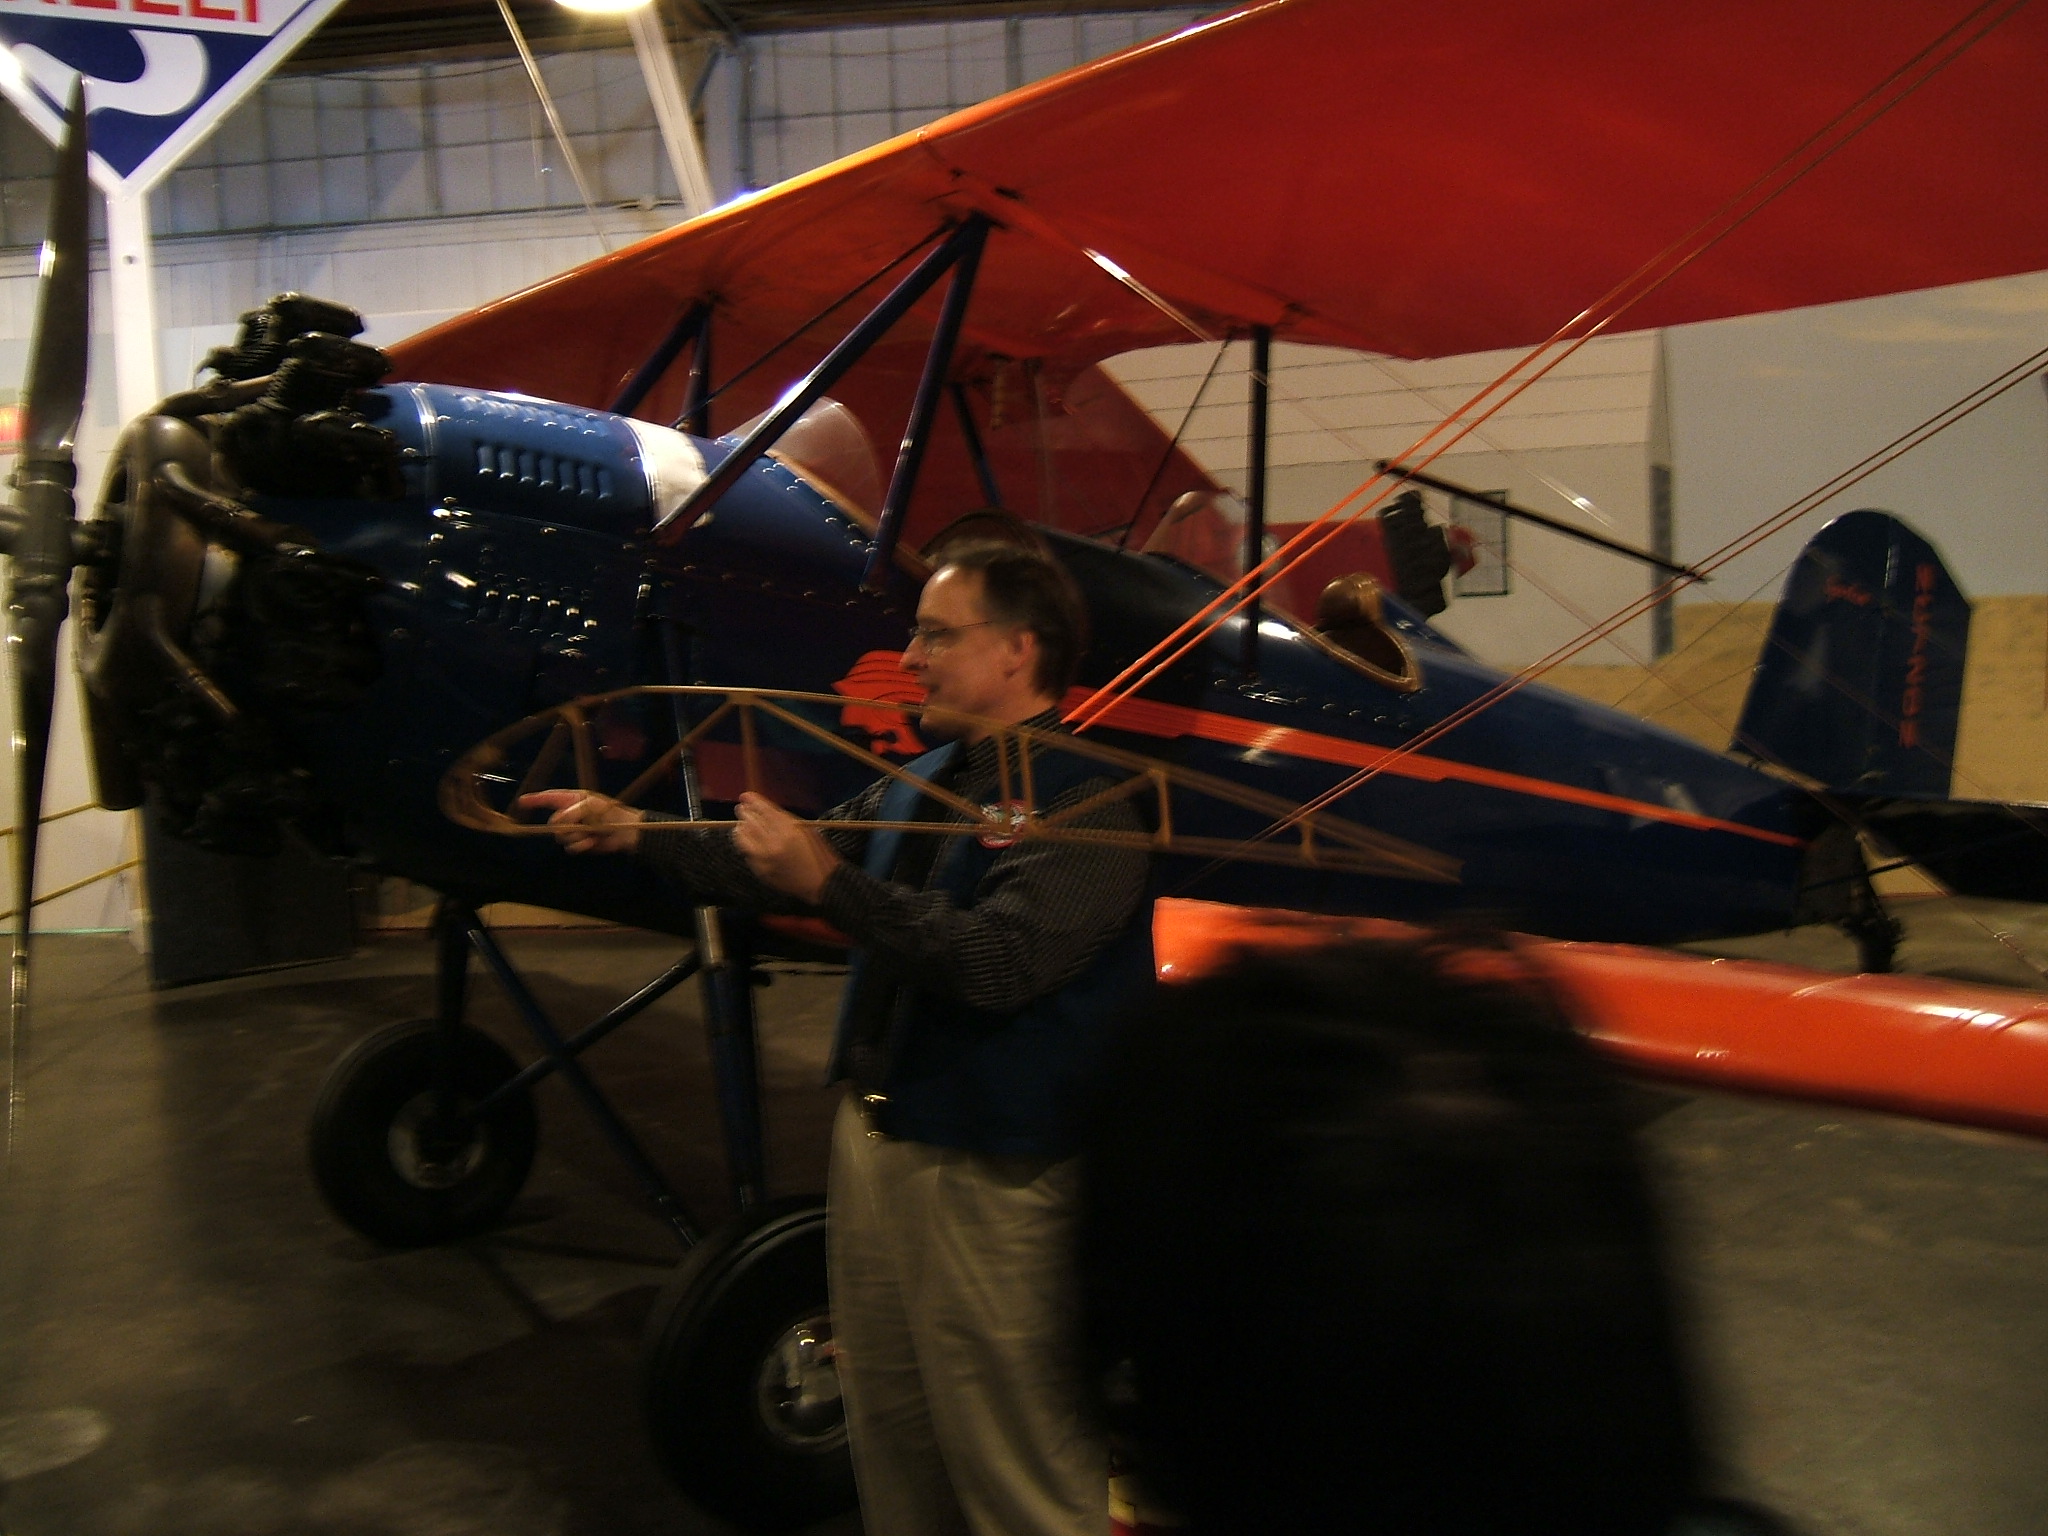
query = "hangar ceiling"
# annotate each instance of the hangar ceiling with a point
(373, 31)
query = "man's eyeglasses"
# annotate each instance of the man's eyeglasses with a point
(937, 637)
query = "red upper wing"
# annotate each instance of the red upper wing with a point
(1420, 177)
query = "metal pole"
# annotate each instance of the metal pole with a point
(547, 105)
(725, 979)
(132, 286)
(1555, 525)
(917, 431)
(1663, 527)
(807, 393)
(1255, 484)
(672, 111)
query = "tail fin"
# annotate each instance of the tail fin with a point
(1861, 682)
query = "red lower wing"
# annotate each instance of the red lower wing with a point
(1942, 1050)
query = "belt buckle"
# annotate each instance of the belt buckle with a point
(871, 1105)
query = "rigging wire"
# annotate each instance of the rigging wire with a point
(1843, 812)
(1550, 482)
(1591, 321)
(1179, 432)
(822, 315)
(1899, 446)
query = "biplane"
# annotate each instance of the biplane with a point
(629, 529)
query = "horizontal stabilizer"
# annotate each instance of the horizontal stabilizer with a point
(1861, 682)
(1974, 847)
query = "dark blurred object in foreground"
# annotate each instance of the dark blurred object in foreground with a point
(1369, 1249)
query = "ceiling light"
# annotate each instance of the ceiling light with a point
(604, 7)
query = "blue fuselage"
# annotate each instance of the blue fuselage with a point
(520, 570)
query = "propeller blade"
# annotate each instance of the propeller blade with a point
(55, 392)
(40, 543)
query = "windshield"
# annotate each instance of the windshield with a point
(829, 447)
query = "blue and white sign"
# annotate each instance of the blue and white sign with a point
(159, 74)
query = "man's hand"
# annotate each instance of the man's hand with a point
(785, 854)
(587, 823)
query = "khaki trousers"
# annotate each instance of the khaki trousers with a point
(953, 1311)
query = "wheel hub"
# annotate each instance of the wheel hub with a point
(430, 1152)
(797, 1392)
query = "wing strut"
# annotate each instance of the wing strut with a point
(990, 491)
(696, 416)
(917, 431)
(692, 331)
(820, 379)
(1255, 484)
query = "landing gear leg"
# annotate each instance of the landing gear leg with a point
(1877, 937)
(727, 982)
(426, 1131)
(1835, 887)
(1876, 932)
(739, 1379)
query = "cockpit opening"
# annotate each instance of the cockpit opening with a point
(1351, 619)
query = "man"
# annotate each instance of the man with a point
(986, 979)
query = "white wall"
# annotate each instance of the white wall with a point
(1761, 410)
(1571, 446)
(1767, 408)
(789, 101)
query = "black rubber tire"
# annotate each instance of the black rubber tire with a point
(360, 1156)
(726, 1428)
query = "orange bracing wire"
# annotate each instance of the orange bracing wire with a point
(1804, 158)
(1736, 547)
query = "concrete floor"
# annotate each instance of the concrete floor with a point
(189, 1343)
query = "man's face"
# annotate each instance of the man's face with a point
(965, 662)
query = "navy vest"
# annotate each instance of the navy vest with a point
(961, 1076)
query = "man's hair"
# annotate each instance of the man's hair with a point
(1022, 587)
(1366, 1246)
